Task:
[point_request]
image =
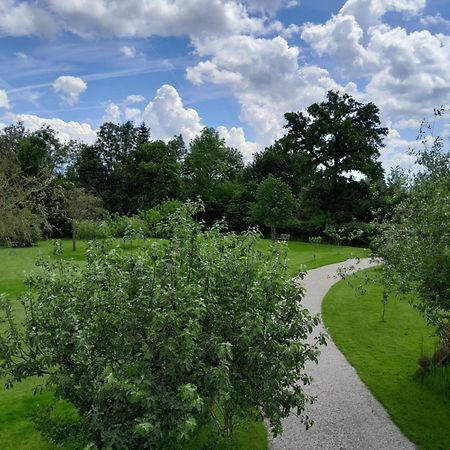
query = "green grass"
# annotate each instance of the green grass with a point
(17, 405)
(385, 356)
(303, 254)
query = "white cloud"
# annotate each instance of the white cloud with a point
(341, 35)
(4, 101)
(408, 123)
(134, 98)
(369, 12)
(413, 76)
(265, 77)
(128, 52)
(435, 20)
(66, 130)
(112, 113)
(69, 88)
(235, 138)
(134, 114)
(398, 151)
(20, 18)
(156, 17)
(269, 5)
(166, 116)
(407, 73)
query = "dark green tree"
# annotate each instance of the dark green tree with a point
(156, 175)
(208, 168)
(329, 158)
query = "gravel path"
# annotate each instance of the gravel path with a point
(346, 414)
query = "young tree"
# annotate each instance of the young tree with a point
(275, 205)
(415, 242)
(148, 345)
(81, 205)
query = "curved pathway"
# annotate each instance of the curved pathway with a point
(346, 414)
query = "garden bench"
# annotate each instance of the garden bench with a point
(284, 237)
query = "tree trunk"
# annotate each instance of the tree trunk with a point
(228, 421)
(272, 233)
(74, 237)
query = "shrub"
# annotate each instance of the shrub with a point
(147, 344)
(92, 229)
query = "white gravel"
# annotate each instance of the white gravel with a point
(346, 414)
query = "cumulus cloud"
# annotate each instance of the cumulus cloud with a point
(265, 76)
(141, 19)
(4, 101)
(407, 73)
(128, 52)
(408, 123)
(69, 88)
(133, 114)
(134, 98)
(112, 113)
(437, 19)
(66, 130)
(369, 12)
(167, 116)
(397, 151)
(235, 138)
(20, 18)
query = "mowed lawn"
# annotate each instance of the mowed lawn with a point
(385, 356)
(18, 405)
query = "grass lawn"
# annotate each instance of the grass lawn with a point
(385, 356)
(18, 405)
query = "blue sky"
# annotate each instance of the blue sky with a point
(180, 65)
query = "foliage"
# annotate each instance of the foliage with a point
(81, 205)
(415, 243)
(322, 149)
(92, 229)
(21, 203)
(275, 205)
(145, 344)
(208, 168)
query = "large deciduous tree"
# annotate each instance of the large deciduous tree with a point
(209, 169)
(329, 158)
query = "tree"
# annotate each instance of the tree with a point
(156, 175)
(81, 205)
(415, 243)
(148, 345)
(319, 157)
(207, 166)
(22, 213)
(275, 205)
(28, 169)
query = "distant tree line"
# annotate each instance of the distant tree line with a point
(325, 171)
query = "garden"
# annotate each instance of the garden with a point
(147, 292)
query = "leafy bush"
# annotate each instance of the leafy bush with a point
(20, 228)
(120, 226)
(148, 344)
(92, 229)
(156, 217)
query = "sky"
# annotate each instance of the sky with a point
(237, 66)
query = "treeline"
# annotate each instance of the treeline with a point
(324, 173)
